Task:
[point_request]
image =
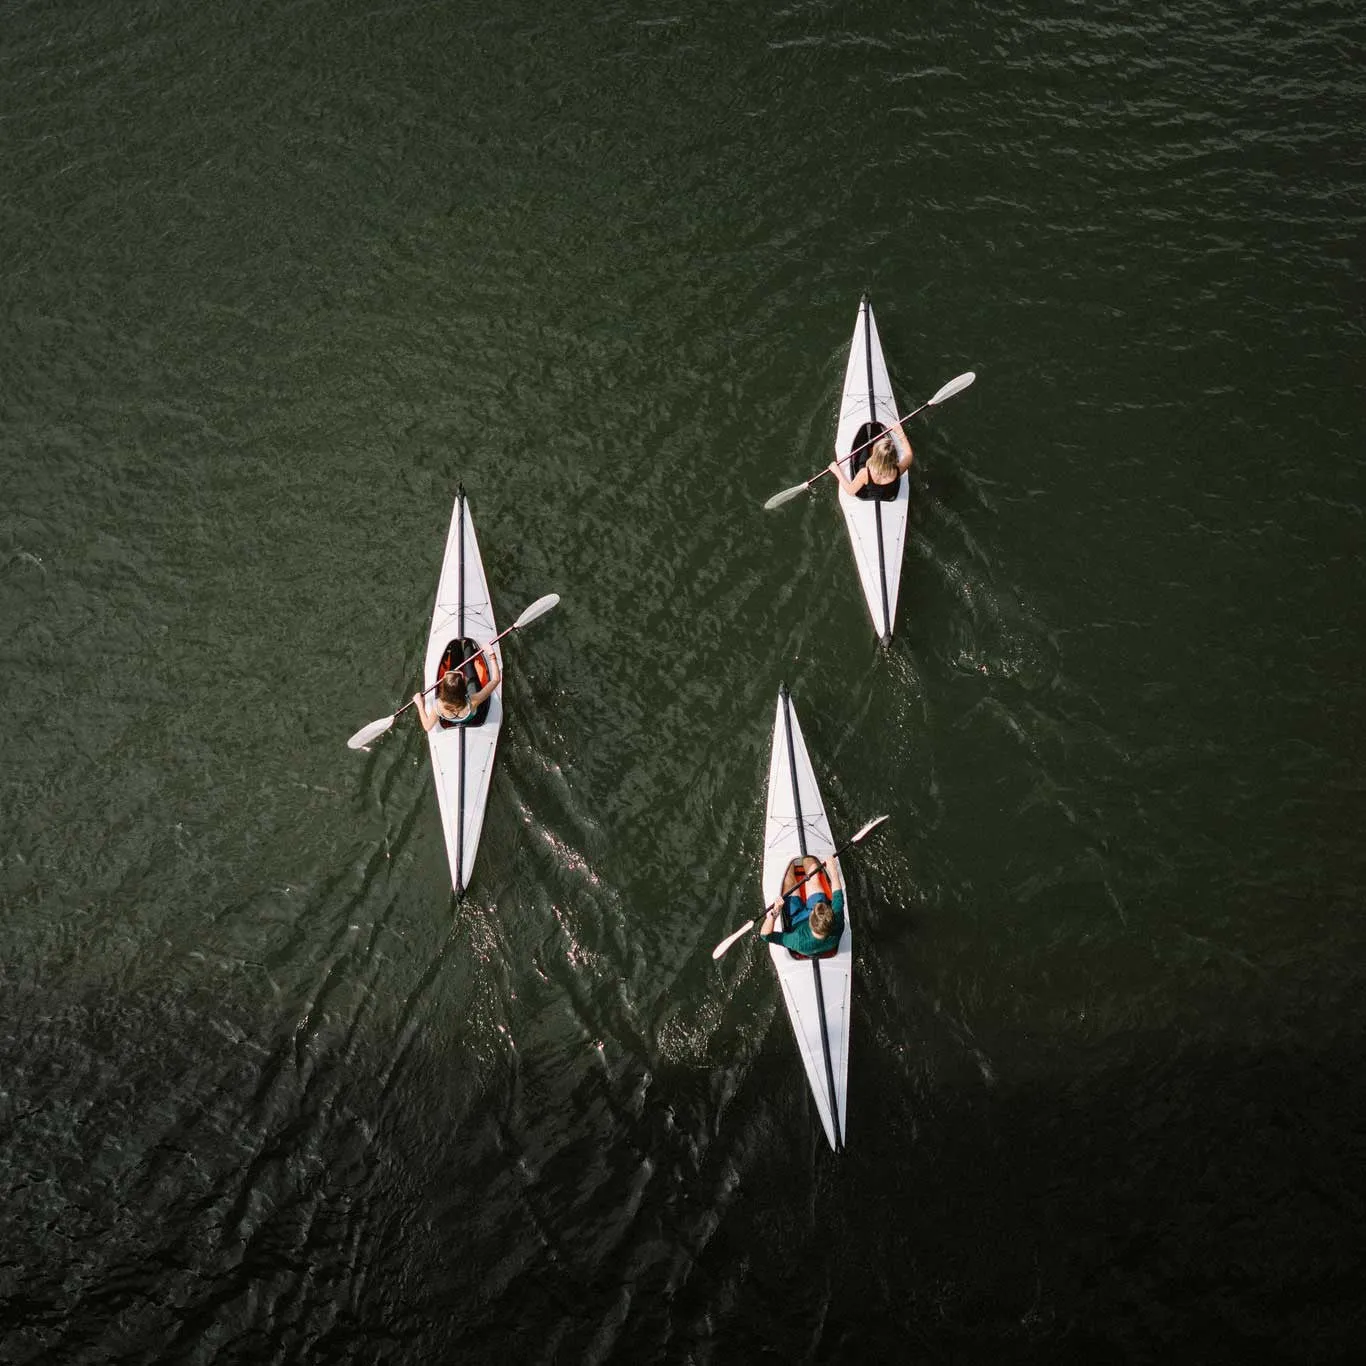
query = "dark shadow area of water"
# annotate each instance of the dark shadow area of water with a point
(177, 1189)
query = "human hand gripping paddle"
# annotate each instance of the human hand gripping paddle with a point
(375, 729)
(843, 849)
(954, 386)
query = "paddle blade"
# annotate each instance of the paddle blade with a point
(730, 939)
(868, 829)
(786, 496)
(373, 731)
(537, 609)
(954, 386)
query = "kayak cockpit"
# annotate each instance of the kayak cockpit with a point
(476, 671)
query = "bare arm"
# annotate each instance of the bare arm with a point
(495, 678)
(850, 486)
(832, 871)
(903, 447)
(770, 924)
(427, 717)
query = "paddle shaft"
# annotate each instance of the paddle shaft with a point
(819, 865)
(858, 838)
(457, 667)
(871, 440)
(844, 848)
(954, 386)
(750, 924)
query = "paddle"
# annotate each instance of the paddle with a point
(954, 386)
(366, 734)
(844, 848)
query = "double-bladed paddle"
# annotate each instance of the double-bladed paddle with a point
(843, 849)
(954, 386)
(375, 729)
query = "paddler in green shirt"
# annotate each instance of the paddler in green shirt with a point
(819, 931)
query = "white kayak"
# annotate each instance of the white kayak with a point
(816, 991)
(877, 528)
(462, 755)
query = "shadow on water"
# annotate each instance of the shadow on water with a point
(178, 1186)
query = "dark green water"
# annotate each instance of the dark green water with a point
(276, 277)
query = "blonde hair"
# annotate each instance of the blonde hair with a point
(883, 458)
(822, 919)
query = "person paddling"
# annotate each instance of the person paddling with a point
(453, 702)
(889, 458)
(819, 931)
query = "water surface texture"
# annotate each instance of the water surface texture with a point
(277, 277)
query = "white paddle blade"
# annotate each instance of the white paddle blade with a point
(730, 939)
(954, 386)
(786, 496)
(868, 829)
(369, 733)
(537, 609)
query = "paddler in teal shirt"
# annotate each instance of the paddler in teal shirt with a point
(819, 931)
